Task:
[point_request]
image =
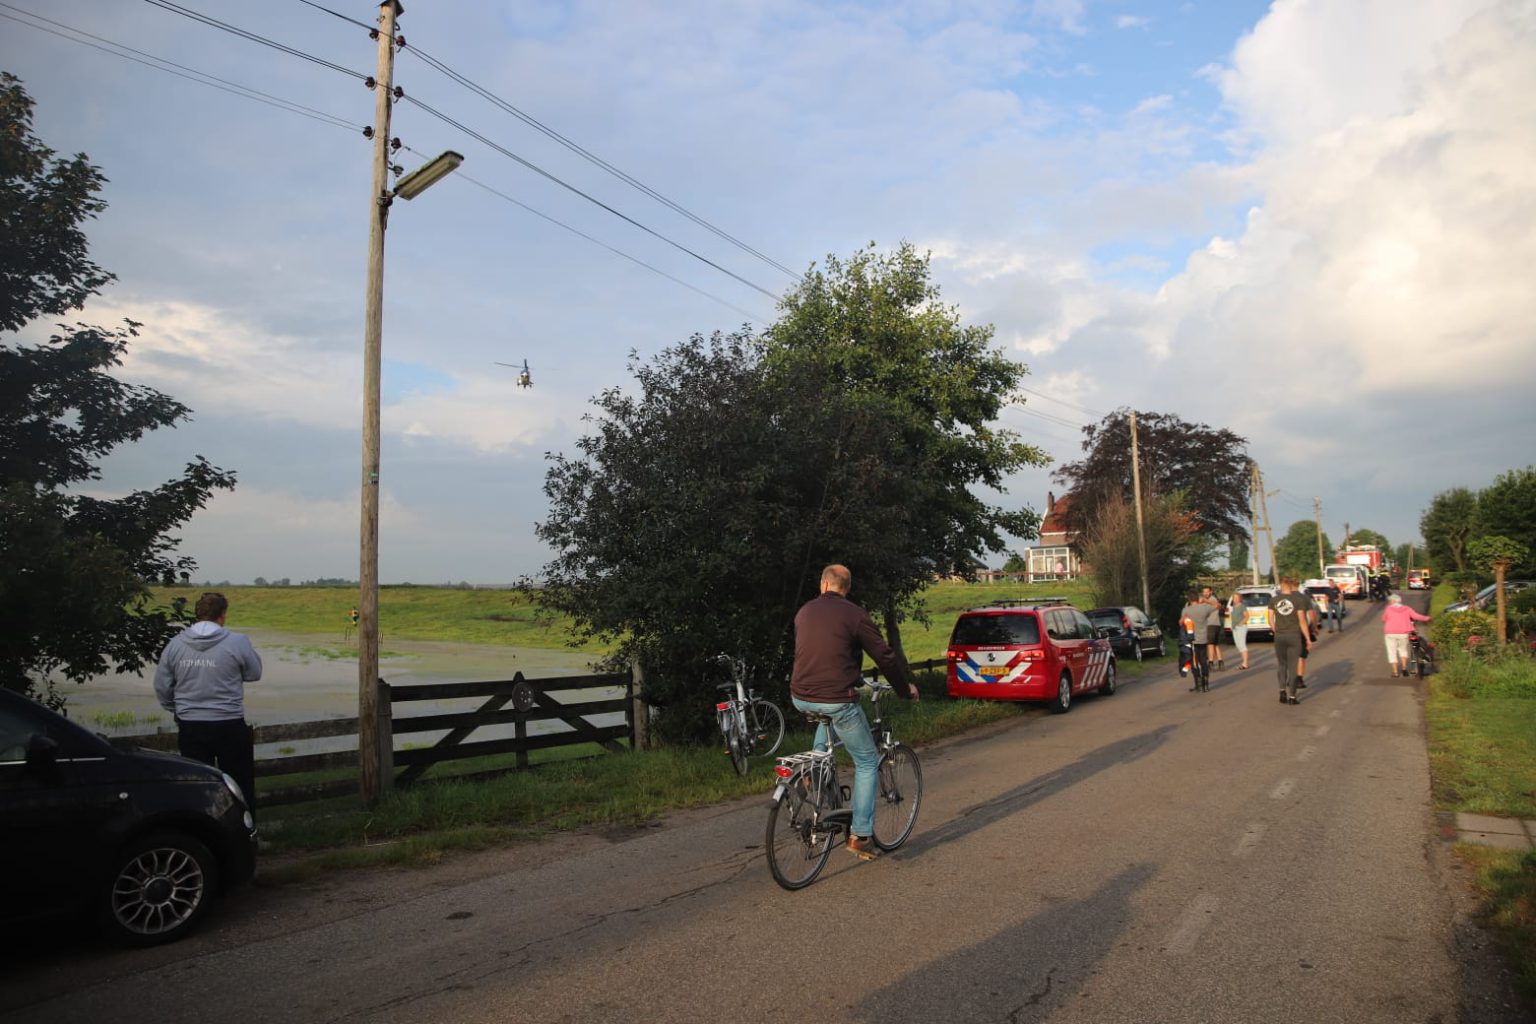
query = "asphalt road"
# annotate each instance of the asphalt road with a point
(1158, 855)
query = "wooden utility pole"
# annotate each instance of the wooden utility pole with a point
(1317, 511)
(1253, 521)
(1141, 532)
(1269, 533)
(1346, 536)
(375, 762)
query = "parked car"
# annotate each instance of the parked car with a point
(142, 841)
(1483, 600)
(1130, 631)
(1255, 611)
(1031, 651)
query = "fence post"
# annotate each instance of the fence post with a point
(639, 712)
(383, 716)
(520, 727)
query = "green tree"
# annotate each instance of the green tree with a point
(1208, 466)
(1507, 508)
(1365, 535)
(1499, 553)
(73, 567)
(1239, 555)
(699, 512)
(917, 394)
(1015, 563)
(1296, 551)
(1446, 526)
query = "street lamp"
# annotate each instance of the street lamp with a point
(374, 742)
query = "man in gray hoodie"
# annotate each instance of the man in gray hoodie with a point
(201, 680)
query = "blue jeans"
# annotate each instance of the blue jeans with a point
(853, 729)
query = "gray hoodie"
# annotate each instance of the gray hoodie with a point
(203, 671)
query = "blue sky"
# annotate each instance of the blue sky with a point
(1306, 221)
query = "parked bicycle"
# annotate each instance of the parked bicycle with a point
(811, 805)
(1421, 654)
(752, 725)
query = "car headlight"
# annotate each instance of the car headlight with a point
(234, 787)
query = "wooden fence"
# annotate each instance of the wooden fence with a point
(460, 727)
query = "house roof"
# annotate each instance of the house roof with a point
(1055, 516)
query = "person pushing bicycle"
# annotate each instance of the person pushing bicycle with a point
(832, 634)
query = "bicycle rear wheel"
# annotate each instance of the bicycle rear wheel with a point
(797, 849)
(766, 723)
(899, 797)
(735, 744)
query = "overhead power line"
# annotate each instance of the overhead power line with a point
(460, 175)
(224, 26)
(170, 67)
(581, 151)
(585, 195)
(568, 143)
(1096, 414)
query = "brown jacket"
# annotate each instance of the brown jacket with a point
(831, 635)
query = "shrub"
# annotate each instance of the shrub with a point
(1495, 672)
(1451, 632)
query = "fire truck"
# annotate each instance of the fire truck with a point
(1353, 568)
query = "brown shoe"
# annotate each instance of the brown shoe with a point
(864, 849)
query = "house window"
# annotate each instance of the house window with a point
(1052, 563)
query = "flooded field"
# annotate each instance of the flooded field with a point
(307, 679)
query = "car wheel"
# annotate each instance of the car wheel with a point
(159, 889)
(1110, 686)
(1140, 654)
(1063, 702)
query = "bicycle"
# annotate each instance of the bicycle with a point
(1421, 654)
(1193, 659)
(751, 724)
(810, 804)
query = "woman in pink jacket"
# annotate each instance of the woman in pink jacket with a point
(1398, 622)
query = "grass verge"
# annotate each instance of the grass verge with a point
(1481, 717)
(419, 825)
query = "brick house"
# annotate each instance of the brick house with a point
(1056, 556)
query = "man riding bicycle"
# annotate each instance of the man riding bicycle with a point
(831, 635)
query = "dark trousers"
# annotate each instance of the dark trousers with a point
(1288, 649)
(226, 745)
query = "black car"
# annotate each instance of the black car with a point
(1131, 632)
(141, 841)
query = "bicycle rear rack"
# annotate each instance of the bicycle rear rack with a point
(806, 759)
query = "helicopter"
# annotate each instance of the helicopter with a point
(524, 379)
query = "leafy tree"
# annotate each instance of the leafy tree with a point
(1015, 563)
(1507, 508)
(1239, 555)
(73, 568)
(1498, 553)
(699, 512)
(920, 394)
(1446, 526)
(1208, 466)
(1175, 554)
(1296, 551)
(1365, 535)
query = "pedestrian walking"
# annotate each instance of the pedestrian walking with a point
(1397, 622)
(1289, 624)
(1195, 621)
(1335, 610)
(1213, 629)
(201, 680)
(1239, 613)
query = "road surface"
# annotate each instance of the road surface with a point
(1157, 855)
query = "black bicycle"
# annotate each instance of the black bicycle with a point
(752, 725)
(810, 809)
(1421, 655)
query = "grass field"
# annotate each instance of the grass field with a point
(509, 617)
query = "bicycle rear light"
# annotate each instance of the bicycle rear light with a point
(783, 772)
(723, 706)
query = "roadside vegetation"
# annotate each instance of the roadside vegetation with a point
(1481, 719)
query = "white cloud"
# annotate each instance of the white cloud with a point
(1132, 21)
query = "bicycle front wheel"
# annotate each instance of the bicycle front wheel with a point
(899, 797)
(797, 849)
(766, 723)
